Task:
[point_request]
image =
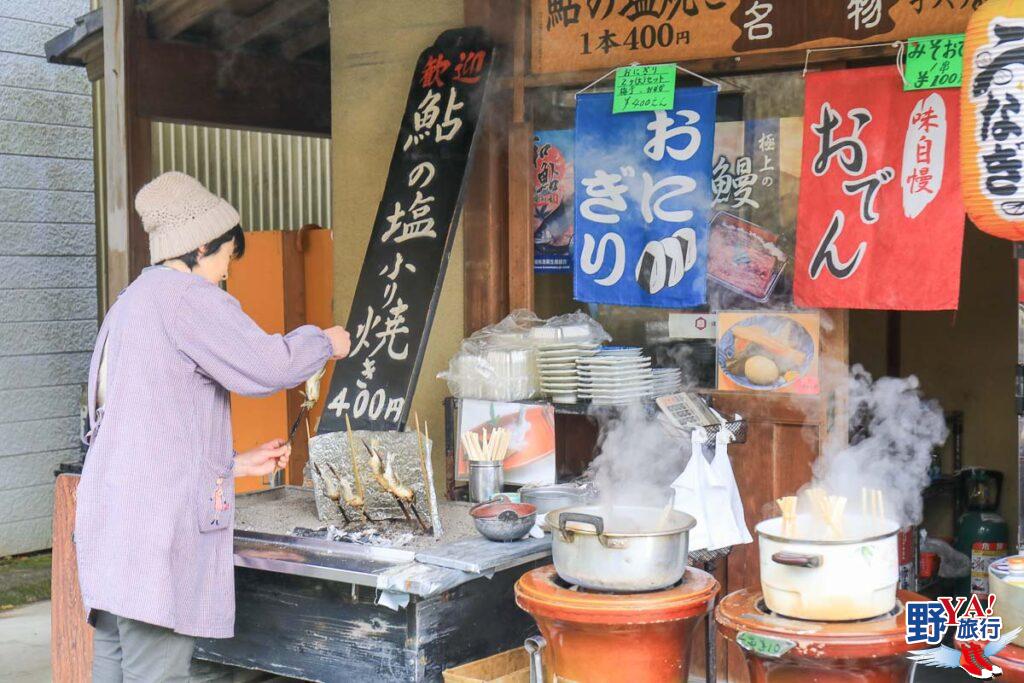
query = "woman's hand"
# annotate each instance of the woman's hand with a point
(264, 459)
(340, 341)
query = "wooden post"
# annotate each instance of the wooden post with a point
(520, 176)
(485, 211)
(70, 635)
(293, 267)
(127, 146)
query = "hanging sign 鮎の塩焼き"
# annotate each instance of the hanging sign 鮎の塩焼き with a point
(992, 102)
(643, 201)
(880, 220)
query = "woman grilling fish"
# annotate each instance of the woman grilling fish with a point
(153, 531)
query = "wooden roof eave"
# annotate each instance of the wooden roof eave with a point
(80, 45)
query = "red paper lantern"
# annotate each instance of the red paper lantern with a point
(992, 116)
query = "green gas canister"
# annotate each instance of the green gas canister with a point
(982, 534)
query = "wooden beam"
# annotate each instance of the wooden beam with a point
(306, 39)
(274, 14)
(742, 64)
(183, 82)
(172, 19)
(127, 145)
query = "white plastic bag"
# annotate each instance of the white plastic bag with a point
(496, 363)
(954, 563)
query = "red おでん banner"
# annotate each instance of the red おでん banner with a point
(880, 221)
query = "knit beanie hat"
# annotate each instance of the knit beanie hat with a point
(181, 215)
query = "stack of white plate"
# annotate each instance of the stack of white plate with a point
(615, 375)
(667, 381)
(556, 364)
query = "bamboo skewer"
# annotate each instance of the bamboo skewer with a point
(829, 508)
(836, 506)
(486, 447)
(352, 454)
(872, 503)
(788, 506)
(421, 446)
(360, 492)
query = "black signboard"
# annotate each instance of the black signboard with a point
(412, 238)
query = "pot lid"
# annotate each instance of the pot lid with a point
(541, 593)
(744, 612)
(622, 521)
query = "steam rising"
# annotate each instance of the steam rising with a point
(893, 433)
(637, 459)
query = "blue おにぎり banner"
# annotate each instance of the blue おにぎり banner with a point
(643, 201)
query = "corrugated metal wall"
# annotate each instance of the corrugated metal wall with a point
(276, 181)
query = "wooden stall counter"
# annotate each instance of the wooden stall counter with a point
(316, 609)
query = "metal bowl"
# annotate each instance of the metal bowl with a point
(501, 520)
(553, 496)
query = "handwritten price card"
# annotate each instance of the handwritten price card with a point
(644, 88)
(934, 62)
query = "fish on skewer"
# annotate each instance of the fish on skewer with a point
(332, 489)
(310, 396)
(401, 492)
(387, 480)
(376, 464)
(352, 497)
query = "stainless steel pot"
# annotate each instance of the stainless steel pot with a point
(553, 496)
(626, 549)
(829, 580)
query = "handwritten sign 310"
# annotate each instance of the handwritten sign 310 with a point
(644, 88)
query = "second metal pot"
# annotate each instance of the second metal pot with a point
(553, 496)
(628, 549)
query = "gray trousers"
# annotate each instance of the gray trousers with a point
(125, 650)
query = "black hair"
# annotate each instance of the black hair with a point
(235, 234)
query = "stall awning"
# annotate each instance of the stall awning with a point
(255, 64)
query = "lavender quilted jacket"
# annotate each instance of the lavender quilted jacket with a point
(153, 530)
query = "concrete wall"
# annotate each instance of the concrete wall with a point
(47, 266)
(374, 48)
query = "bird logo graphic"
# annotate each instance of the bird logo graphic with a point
(971, 656)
